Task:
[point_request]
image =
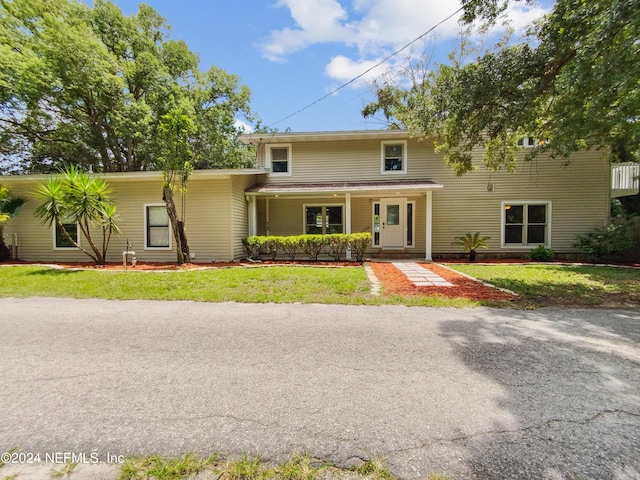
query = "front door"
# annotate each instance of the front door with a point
(392, 222)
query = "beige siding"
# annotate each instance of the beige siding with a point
(353, 161)
(579, 193)
(579, 196)
(207, 220)
(239, 214)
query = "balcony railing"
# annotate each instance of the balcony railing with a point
(625, 179)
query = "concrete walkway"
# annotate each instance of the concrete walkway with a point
(420, 276)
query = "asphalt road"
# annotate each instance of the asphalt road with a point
(472, 393)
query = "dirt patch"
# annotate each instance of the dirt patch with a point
(396, 283)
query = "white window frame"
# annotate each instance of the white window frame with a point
(146, 228)
(404, 157)
(268, 159)
(70, 247)
(406, 224)
(324, 214)
(525, 204)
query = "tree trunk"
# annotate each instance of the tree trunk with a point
(472, 255)
(182, 247)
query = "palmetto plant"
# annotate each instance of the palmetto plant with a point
(79, 198)
(9, 207)
(470, 242)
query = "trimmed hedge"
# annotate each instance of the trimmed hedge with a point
(333, 245)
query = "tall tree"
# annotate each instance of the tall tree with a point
(89, 86)
(176, 129)
(574, 83)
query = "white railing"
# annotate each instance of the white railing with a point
(625, 179)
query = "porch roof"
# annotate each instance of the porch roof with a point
(342, 187)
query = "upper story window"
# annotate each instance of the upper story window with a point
(394, 157)
(279, 159)
(529, 142)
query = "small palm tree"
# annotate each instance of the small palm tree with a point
(9, 207)
(470, 242)
(81, 199)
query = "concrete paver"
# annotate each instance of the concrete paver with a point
(420, 276)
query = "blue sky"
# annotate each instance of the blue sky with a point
(293, 52)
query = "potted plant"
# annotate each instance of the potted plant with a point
(470, 242)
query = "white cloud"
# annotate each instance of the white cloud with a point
(243, 126)
(375, 27)
(343, 69)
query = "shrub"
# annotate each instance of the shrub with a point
(541, 254)
(336, 245)
(271, 245)
(253, 246)
(470, 242)
(312, 245)
(290, 246)
(359, 242)
(610, 243)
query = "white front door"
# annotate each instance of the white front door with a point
(392, 222)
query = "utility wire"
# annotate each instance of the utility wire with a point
(368, 70)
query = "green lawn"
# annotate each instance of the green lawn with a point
(563, 285)
(538, 285)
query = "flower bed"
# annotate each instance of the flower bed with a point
(396, 283)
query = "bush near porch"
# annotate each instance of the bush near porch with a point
(335, 245)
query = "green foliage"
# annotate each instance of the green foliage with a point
(541, 254)
(290, 246)
(359, 242)
(573, 82)
(10, 205)
(312, 245)
(78, 197)
(614, 242)
(91, 86)
(471, 241)
(335, 245)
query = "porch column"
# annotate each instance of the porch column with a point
(347, 224)
(253, 215)
(428, 252)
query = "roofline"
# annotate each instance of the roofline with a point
(292, 137)
(145, 176)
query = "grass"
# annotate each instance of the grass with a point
(563, 285)
(538, 285)
(297, 467)
(278, 284)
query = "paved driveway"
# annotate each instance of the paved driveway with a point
(473, 393)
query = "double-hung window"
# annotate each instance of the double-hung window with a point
(323, 219)
(279, 159)
(157, 234)
(394, 158)
(64, 241)
(526, 224)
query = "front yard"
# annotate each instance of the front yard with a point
(537, 285)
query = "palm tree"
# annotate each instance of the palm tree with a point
(470, 242)
(9, 207)
(82, 199)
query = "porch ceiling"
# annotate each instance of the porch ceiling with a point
(343, 187)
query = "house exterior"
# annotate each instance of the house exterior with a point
(388, 183)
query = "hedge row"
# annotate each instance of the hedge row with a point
(334, 245)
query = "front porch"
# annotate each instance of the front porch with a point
(397, 214)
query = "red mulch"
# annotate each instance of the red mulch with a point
(158, 266)
(397, 283)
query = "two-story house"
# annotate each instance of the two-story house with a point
(385, 182)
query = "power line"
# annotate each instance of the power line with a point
(384, 60)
